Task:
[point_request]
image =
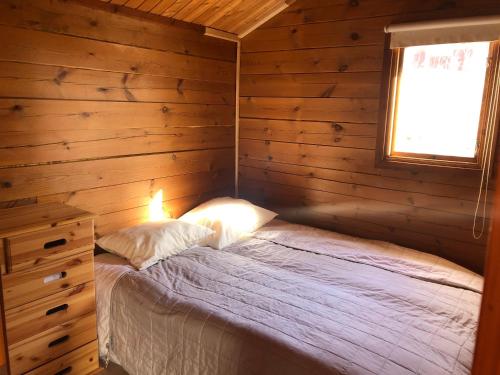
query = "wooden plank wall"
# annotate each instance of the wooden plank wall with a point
(486, 358)
(100, 110)
(310, 81)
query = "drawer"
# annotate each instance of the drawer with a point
(81, 361)
(51, 344)
(37, 248)
(38, 282)
(32, 318)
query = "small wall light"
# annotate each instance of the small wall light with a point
(156, 212)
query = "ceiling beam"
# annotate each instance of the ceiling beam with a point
(263, 20)
(221, 34)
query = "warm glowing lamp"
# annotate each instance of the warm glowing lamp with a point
(156, 212)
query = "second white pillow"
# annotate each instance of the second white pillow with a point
(230, 218)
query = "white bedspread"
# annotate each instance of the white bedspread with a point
(291, 300)
(108, 269)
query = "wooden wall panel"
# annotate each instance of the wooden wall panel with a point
(22, 80)
(100, 111)
(91, 23)
(316, 11)
(310, 82)
(25, 45)
(486, 358)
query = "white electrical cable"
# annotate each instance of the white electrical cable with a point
(486, 163)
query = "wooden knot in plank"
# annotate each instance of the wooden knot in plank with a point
(337, 127)
(343, 67)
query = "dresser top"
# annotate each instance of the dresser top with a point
(23, 219)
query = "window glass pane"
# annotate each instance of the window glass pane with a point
(440, 96)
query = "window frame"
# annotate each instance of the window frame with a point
(391, 78)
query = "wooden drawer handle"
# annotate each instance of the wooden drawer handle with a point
(54, 277)
(64, 371)
(55, 243)
(56, 309)
(59, 341)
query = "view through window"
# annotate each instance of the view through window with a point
(439, 99)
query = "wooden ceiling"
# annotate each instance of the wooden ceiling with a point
(237, 17)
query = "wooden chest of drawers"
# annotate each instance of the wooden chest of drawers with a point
(47, 290)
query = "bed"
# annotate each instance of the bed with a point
(290, 299)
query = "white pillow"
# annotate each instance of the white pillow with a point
(144, 245)
(230, 218)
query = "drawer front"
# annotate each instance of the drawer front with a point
(38, 282)
(37, 248)
(81, 361)
(51, 344)
(32, 318)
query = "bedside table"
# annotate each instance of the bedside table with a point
(48, 292)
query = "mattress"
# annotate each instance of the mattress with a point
(290, 300)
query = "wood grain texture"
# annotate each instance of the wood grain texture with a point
(31, 46)
(317, 11)
(235, 16)
(316, 85)
(102, 109)
(48, 293)
(40, 247)
(37, 350)
(486, 358)
(83, 360)
(112, 25)
(22, 220)
(30, 319)
(310, 86)
(24, 80)
(26, 286)
(3, 341)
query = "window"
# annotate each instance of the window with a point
(441, 102)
